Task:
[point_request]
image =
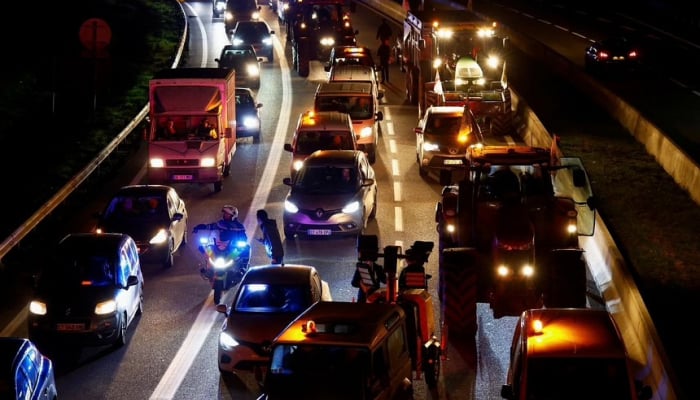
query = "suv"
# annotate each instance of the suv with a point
(324, 130)
(245, 61)
(342, 350)
(359, 100)
(443, 135)
(563, 353)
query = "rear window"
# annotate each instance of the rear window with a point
(359, 107)
(310, 141)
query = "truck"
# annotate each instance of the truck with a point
(316, 26)
(508, 232)
(183, 99)
(465, 54)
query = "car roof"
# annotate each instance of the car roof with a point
(140, 190)
(351, 323)
(445, 110)
(569, 332)
(332, 157)
(278, 274)
(349, 88)
(324, 120)
(92, 243)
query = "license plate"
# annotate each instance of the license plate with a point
(182, 177)
(70, 327)
(453, 162)
(319, 232)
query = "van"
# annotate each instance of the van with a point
(323, 130)
(565, 353)
(357, 73)
(342, 350)
(359, 100)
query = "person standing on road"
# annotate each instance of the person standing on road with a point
(384, 54)
(270, 237)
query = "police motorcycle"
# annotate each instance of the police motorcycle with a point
(410, 292)
(226, 256)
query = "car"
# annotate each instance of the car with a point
(245, 61)
(612, 52)
(240, 10)
(218, 8)
(354, 55)
(155, 216)
(442, 137)
(267, 299)
(27, 374)
(257, 34)
(89, 292)
(247, 114)
(357, 73)
(334, 193)
(570, 353)
(320, 130)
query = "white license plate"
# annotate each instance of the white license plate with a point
(70, 327)
(453, 162)
(182, 177)
(319, 232)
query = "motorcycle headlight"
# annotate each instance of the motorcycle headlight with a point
(221, 263)
(106, 307)
(160, 237)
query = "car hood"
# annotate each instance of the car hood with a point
(449, 141)
(257, 327)
(74, 298)
(325, 201)
(140, 230)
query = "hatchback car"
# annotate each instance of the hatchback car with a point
(247, 114)
(155, 216)
(245, 61)
(257, 34)
(442, 137)
(333, 193)
(89, 293)
(611, 52)
(268, 298)
(27, 374)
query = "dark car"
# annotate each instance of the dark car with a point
(334, 193)
(88, 293)
(247, 114)
(240, 10)
(268, 298)
(354, 55)
(155, 216)
(245, 61)
(27, 374)
(612, 52)
(257, 34)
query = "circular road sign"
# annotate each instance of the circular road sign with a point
(95, 34)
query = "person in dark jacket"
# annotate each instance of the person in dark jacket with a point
(384, 54)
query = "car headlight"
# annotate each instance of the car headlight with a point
(267, 41)
(493, 62)
(480, 82)
(157, 163)
(352, 207)
(236, 41)
(428, 146)
(297, 164)
(255, 16)
(106, 307)
(252, 70)
(37, 307)
(327, 41)
(207, 162)
(227, 342)
(160, 237)
(250, 122)
(290, 207)
(366, 132)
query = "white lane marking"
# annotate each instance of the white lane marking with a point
(392, 146)
(395, 167)
(398, 219)
(397, 191)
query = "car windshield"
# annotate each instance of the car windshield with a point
(85, 270)
(310, 141)
(443, 125)
(325, 180)
(577, 379)
(136, 207)
(359, 107)
(244, 100)
(264, 298)
(318, 372)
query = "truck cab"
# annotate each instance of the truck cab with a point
(342, 350)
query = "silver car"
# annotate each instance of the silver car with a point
(334, 193)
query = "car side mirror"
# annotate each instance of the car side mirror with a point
(259, 105)
(287, 181)
(272, 32)
(379, 116)
(288, 147)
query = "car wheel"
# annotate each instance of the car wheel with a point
(184, 234)
(256, 137)
(139, 308)
(373, 213)
(217, 186)
(121, 332)
(169, 258)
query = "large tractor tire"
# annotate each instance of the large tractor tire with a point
(458, 290)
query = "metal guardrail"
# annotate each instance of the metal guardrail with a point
(20, 233)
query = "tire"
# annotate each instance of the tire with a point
(256, 137)
(217, 186)
(139, 309)
(431, 370)
(170, 258)
(373, 213)
(121, 333)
